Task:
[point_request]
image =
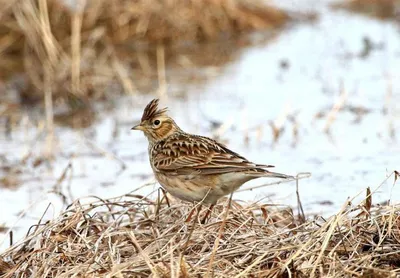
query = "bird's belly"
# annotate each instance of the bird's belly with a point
(208, 188)
(230, 182)
(190, 190)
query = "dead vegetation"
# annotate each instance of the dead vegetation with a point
(383, 9)
(97, 48)
(132, 236)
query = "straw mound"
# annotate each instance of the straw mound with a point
(73, 48)
(131, 236)
(383, 9)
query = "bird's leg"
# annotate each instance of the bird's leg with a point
(165, 196)
(208, 213)
(196, 208)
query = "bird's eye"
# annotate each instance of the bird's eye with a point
(156, 122)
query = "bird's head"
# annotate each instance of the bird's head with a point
(155, 123)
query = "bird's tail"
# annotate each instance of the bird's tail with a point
(277, 175)
(259, 172)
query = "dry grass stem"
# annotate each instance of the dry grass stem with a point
(162, 76)
(338, 105)
(278, 124)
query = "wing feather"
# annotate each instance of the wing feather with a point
(184, 153)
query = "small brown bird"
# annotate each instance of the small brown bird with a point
(194, 168)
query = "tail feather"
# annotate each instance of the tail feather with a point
(264, 166)
(277, 175)
(259, 172)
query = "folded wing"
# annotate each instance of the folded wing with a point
(185, 154)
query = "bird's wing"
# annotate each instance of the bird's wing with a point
(186, 154)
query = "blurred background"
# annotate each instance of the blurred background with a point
(305, 85)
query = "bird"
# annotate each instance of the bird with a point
(191, 167)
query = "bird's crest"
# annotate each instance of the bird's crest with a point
(152, 110)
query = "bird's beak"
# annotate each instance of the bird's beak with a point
(138, 127)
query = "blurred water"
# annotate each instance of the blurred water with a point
(301, 73)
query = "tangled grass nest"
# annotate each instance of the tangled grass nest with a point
(132, 236)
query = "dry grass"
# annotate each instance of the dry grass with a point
(132, 236)
(76, 50)
(383, 9)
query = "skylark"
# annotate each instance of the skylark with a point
(194, 168)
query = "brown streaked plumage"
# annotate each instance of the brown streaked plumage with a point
(191, 167)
